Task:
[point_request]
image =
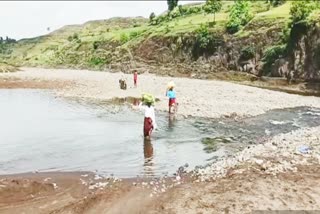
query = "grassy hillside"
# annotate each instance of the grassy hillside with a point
(107, 43)
(4, 68)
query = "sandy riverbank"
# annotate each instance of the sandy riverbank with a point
(204, 98)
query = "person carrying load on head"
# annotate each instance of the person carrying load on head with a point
(147, 103)
(172, 96)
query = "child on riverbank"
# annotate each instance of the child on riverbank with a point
(135, 78)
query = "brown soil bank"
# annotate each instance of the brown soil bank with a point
(237, 193)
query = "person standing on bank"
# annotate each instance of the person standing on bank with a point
(135, 78)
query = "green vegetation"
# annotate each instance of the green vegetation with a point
(271, 54)
(172, 4)
(213, 6)
(198, 29)
(300, 10)
(203, 36)
(213, 144)
(239, 16)
(276, 3)
(248, 52)
(4, 68)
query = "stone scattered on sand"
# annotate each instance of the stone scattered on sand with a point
(277, 155)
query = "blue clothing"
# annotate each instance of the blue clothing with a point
(171, 94)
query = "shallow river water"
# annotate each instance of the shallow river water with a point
(39, 132)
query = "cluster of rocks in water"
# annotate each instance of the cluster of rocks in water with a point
(99, 181)
(282, 153)
(162, 184)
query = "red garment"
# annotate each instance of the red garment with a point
(148, 126)
(135, 78)
(172, 101)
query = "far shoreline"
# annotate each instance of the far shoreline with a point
(197, 98)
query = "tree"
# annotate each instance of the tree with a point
(152, 16)
(300, 10)
(213, 6)
(276, 3)
(239, 15)
(172, 4)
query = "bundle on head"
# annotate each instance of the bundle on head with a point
(170, 85)
(148, 99)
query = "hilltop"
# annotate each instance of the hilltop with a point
(185, 42)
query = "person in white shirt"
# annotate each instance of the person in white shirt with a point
(149, 119)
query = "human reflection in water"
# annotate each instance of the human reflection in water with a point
(148, 157)
(171, 121)
(136, 101)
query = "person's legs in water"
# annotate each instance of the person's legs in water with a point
(148, 149)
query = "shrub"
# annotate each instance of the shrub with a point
(167, 29)
(70, 38)
(124, 38)
(270, 55)
(276, 3)
(75, 36)
(152, 16)
(300, 10)
(213, 6)
(96, 61)
(134, 34)
(203, 36)
(95, 45)
(136, 25)
(159, 19)
(247, 53)
(182, 10)
(239, 15)
(273, 53)
(174, 13)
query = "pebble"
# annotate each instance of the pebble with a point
(55, 186)
(259, 162)
(279, 148)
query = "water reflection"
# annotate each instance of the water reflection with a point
(136, 101)
(171, 121)
(148, 157)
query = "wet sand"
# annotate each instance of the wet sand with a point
(272, 175)
(203, 98)
(234, 193)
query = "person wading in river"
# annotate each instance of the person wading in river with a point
(172, 98)
(149, 117)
